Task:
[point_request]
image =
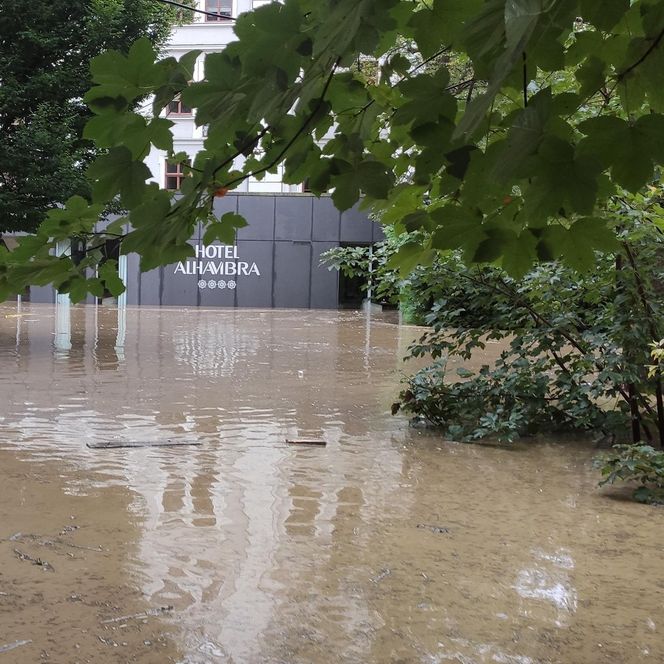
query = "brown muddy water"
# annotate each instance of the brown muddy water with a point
(388, 545)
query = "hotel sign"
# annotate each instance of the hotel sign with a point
(218, 266)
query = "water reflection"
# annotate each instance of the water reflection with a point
(549, 580)
(62, 341)
(387, 545)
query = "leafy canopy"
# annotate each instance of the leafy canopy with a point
(499, 127)
(45, 58)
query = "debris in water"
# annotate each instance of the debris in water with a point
(148, 443)
(62, 542)
(35, 561)
(384, 573)
(16, 644)
(18, 537)
(434, 529)
(69, 529)
(322, 443)
(137, 616)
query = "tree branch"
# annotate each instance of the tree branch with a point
(297, 135)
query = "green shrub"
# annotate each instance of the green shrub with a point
(636, 463)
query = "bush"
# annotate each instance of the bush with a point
(576, 345)
(636, 463)
(561, 368)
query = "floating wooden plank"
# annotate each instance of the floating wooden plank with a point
(320, 443)
(115, 444)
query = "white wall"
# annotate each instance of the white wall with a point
(209, 37)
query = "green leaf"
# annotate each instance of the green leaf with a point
(520, 20)
(592, 76)
(442, 24)
(157, 132)
(409, 256)
(77, 289)
(224, 230)
(594, 232)
(458, 228)
(137, 69)
(346, 191)
(519, 254)
(604, 14)
(131, 130)
(374, 178)
(124, 78)
(77, 217)
(524, 136)
(117, 173)
(563, 180)
(577, 245)
(628, 148)
(108, 274)
(426, 100)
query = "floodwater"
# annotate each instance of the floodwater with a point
(387, 545)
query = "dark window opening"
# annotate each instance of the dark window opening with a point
(352, 290)
(78, 250)
(177, 107)
(175, 174)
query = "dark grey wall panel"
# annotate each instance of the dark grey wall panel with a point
(324, 282)
(42, 294)
(286, 235)
(293, 218)
(356, 226)
(225, 204)
(378, 234)
(220, 290)
(179, 289)
(292, 272)
(220, 296)
(133, 278)
(221, 207)
(256, 291)
(149, 293)
(259, 212)
(326, 220)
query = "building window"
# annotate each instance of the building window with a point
(224, 9)
(176, 107)
(175, 174)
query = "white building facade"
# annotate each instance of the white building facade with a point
(208, 34)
